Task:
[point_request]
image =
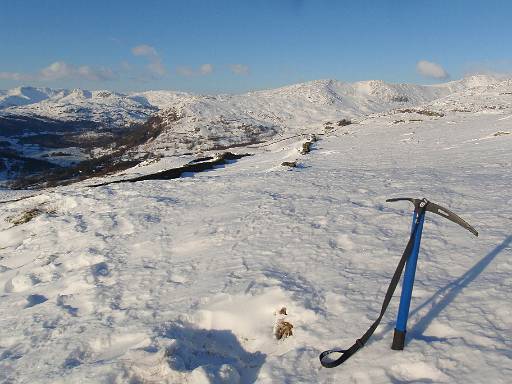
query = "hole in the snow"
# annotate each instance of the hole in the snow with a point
(71, 363)
(100, 269)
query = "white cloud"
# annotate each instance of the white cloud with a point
(185, 71)
(157, 68)
(431, 69)
(55, 71)
(61, 70)
(239, 69)
(144, 50)
(96, 74)
(13, 76)
(204, 69)
(155, 65)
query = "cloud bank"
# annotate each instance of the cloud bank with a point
(60, 70)
(203, 70)
(239, 69)
(155, 65)
(431, 69)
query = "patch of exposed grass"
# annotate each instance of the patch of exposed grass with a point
(283, 329)
(400, 99)
(306, 147)
(194, 166)
(494, 107)
(421, 112)
(343, 122)
(27, 215)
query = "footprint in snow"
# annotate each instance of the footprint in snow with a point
(21, 282)
(33, 300)
(100, 270)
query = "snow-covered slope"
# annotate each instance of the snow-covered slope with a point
(105, 107)
(42, 128)
(206, 122)
(179, 281)
(24, 96)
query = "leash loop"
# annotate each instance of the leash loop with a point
(420, 208)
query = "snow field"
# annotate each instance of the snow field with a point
(179, 280)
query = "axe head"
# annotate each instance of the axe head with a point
(438, 210)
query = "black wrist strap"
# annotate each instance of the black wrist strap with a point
(347, 353)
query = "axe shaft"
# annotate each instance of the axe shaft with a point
(407, 286)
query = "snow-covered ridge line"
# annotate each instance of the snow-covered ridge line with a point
(77, 104)
(359, 97)
(205, 122)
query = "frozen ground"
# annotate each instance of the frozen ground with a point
(179, 280)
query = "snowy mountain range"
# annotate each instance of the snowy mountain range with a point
(352, 99)
(78, 104)
(43, 128)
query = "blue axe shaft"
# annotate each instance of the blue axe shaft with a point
(407, 286)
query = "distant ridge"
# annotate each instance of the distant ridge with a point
(67, 103)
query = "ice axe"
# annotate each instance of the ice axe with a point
(408, 260)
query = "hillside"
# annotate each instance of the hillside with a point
(50, 137)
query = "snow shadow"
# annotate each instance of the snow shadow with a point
(211, 350)
(33, 300)
(302, 290)
(450, 291)
(188, 170)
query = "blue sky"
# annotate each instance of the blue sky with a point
(235, 46)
